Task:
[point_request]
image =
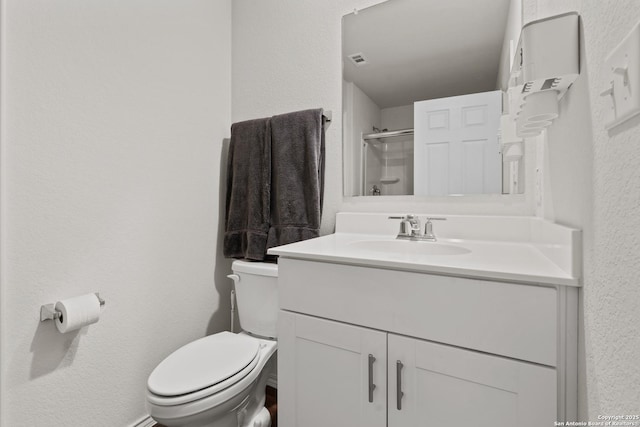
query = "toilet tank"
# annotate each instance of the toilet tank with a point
(256, 296)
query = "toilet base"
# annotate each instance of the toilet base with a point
(243, 410)
(262, 419)
(235, 418)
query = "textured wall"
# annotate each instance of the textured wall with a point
(287, 56)
(592, 181)
(612, 291)
(114, 122)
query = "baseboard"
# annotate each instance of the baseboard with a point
(145, 422)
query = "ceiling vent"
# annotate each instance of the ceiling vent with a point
(358, 59)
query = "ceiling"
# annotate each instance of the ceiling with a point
(425, 49)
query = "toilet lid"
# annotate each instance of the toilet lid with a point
(203, 363)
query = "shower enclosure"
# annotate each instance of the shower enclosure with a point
(388, 162)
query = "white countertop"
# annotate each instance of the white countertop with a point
(525, 262)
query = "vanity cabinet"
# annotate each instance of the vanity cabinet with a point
(323, 373)
(343, 375)
(462, 351)
(441, 385)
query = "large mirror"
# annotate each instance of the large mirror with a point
(423, 89)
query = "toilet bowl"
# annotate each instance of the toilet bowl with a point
(220, 380)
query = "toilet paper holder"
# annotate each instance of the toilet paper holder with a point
(48, 311)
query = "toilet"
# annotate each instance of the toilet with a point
(220, 380)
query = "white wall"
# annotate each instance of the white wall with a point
(361, 115)
(115, 113)
(394, 118)
(510, 43)
(592, 181)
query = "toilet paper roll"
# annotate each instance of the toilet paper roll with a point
(77, 312)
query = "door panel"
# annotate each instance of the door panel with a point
(445, 385)
(323, 373)
(436, 157)
(468, 125)
(473, 165)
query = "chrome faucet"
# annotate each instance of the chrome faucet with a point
(410, 228)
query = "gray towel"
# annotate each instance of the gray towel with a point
(248, 190)
(297, 176)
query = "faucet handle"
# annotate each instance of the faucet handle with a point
(402, 230)
(428, 227)
(407, 216)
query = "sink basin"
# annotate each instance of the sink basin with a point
(409, 247)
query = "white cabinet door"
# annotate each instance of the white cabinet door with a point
(324, 372)
(444, 386)
(456, 148)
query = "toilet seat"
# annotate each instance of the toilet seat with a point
(203, 368)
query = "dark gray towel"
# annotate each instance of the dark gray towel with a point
(297, 176)
(248, 190)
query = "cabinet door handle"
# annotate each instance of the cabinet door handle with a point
(372, 386)
(399, 393)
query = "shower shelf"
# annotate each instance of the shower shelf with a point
(389, 179)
